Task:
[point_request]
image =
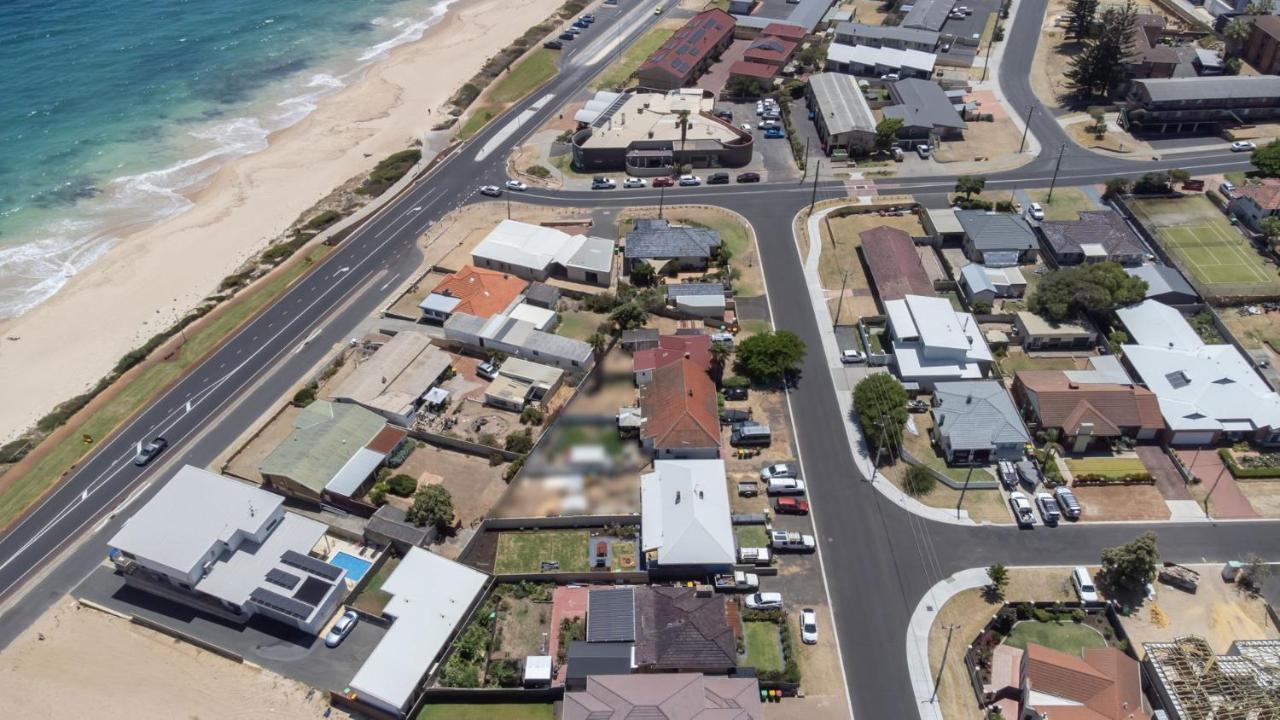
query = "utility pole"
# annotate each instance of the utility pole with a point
(805, 172)
(1215, 487)
(508, 206)
(662, 196)
(1031, 110)
(941, 668)
(992, 41)
(963, 489)
(813, 199)
(1056, 166)
(835, 322)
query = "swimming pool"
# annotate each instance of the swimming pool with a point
(355, 567)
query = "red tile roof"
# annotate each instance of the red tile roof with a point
(1266, 195)
(386, 440)
(769, 50)
(482, 292)
(679, 408)
(895, 267)
(786, 31)
(1110, 407)
(690, 45)
(1104, 681)
(673, 347)
(753, 70)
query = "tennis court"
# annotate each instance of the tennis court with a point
(1220, 260)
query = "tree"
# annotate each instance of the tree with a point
(629, 316)
(981, 307)
(1152, 183)
(812, 56)
(1100, 66)
(532, 415)
(519, 442)
(881, 404)
(1267, 159)
(1081, 13)
(1070, 292)
(1255, 574)
(1270, 226)
(401, 485)
(643, 274)
(1116, 187)
(1130, 567)
(1179, 175)
(1115, 339)
(1099, 126)
(998, 574)
(743, 86)
(720, 353)
(970, 185)
(683, 121)
(919, 481)
(768, 356)
(1236, 34)
(432, 505)
(887, 133)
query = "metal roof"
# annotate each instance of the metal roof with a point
(977, 415)
(326, 435)
(996, 231)
(1162, 280)
(922, 103)
(881, 57)
(887, 32)
(685, 513)
(841, 103)
(655, 238)
(694, 288)
(1212, 88)
(928, 14)
(611, 615)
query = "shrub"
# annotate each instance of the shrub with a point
(402, 453)
(1266, 465)
(432, 505)
(1024, 610)
(378, 493)
(1043, 616)
(537, 171)
(488, 439)
(1004, 620)
(532, 415)
(236, 280)
(401, 485)
(919, 481)
(305, 396)
(1077, 615)
(520, 442)
(391, 169)
(496, 459)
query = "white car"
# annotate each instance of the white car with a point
(491, 190)
(785, 486)
(1082, 582)
(778, 470)
(689, 180)
(852, 357)
(1035, 211)
(1243, 146)
(634, 183)
(341, 629)
(1022, 511)
(764, 601)
(516, 185)
(809, 626)
(890, 77)
(746, 127)
(923, 151)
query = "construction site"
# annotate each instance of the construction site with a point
(1195, 683)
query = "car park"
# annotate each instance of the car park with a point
(491, 190)
(603, 183)
(663, 182)
(779, 470)
(720, 178)
(1082, 583)
(634, 183)
(748, 177)
(736, 392)
(1048, 508)
(1022, 511)
(1243, 146)
(150, 451)
(764, 601)
(1035, 211)
(1067, 501)
(553, 44)
(809, 626)
(852, 357)
(341, 629)
(690, 180)
(786, 486)
(516, 185)
(791, 506)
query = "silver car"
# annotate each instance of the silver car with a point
(341, 629)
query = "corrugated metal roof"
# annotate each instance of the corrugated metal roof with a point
(841, 103)
(611, 615)
(1211, 88)
(996, 231)
(977, 415)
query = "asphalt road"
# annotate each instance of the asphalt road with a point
(880, 559)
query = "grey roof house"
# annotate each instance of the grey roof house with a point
(588, 659)
(928, 14)
(925, 111)
(894, 36)
(841, 114)
(997, 239)
(1099, 235)
(975, 421)
(1165, 284)
(656, 240)
(678, 630)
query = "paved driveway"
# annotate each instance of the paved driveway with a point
(1227, 500)
(1168, 480)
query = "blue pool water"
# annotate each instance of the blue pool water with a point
(355, 567)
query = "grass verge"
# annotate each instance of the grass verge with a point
(619, 72)
(486, 711)
(537, 68)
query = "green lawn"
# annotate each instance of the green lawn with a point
(579, 324)
(487, 712)
(144, 387)
(750, 536)
(764, 649)
(523, 552)
(619, 72)
(538, 67)
(575, 435)
(1067, 637)
(477, 120)
(372, 599)
(1067, 203)
(1017, 362)
(1112, 467)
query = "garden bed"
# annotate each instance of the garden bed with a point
(1251, 465)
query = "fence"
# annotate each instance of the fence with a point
(945, 479)
(562, 521)
(485, 696)
(461, 445)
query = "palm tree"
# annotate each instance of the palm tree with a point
(720, 353)
(683, 122)
(598, 342)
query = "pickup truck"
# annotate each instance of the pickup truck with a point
(782, 540)
(736, 580)
(754, 556)
(1179, 576)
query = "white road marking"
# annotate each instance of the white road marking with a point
(501, 137)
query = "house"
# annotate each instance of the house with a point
(393, 381)
(934, 343)
(698, 298)
(840, 113)
(1158, 51)
(669, 248)
(1207, 393)
(229, 549)
(588, 659)
(868, 61)
(1204, 105)
(681, 420)
(679, 629)
(684, 696)
(805, 15)
(1262, 49)
(997, 239)
(1038, 333)
(332, 452)
(892, 36)
(1101, 683)
(639, 339)
(985, 284)
(942, 224)
(1098, 236)
(1083, 412)
(785, 31)
(431, 597)
(688, 52)
(975, 421)
(684, 514)
(670, 349)
(1165, 284)
(1256, 202)
(927, 114)
(896, 270)
(762, 74)
(518, 338)
(542, 295)
(519, 382)
(1192, 680)
(474, 291)
(535, 252)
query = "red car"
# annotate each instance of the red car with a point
(663, 182)
(791, 506)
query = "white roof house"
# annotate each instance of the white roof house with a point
(539, 317)
(430, 597)
(519, 338)
(934, 342)
(880, 58)
(1155, 324)
(685, 513)
(534, 251)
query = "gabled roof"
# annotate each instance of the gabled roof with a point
(977, 415)
(1103, 227)
(787, 31)
(679, 408)
(1265, 195)
(1109, 407)
(996, 231)
(671, 348)
(923, 104)
(1211, 89)
(690, 45)
(675, 290)
(1157, 325)
(769, 50)
(685, 513)
(664, 696)
(679, 630)
(895, 267)
(480, 292)
(657, 239)
(326, 436)
(928, 14)
(747, 68)
(1103, 683)
(841, 103)
(1162, 280)
(538, 247)
(611, 615)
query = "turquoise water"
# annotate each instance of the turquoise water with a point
(355, 567)
(110, 108)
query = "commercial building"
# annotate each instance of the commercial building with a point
(1193, 682)
(681, 420)
(841, 114)
(896, 270)
(980, 282)
(1254, 203)
(430, 598)
(684, 508)
(892, 36)
(393, 381)
(1084, 412)
(669, 247)
(975, 421)
(642, 135)
(1262, 49)
(997, 239)
(520, 339)
(1098, 236)
(869, 61)
(1164, 284)
(1190, 105)
(934, 343)
(688, 52)
(535, 252)
(687, 696)
(332, 452)
(473, 291)
(927, 114)
(1038, 333)
(230, 549)
(520, 382)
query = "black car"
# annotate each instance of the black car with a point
(553, 44)
(566, 36)
(150, 451)
(718, 179)
(735, 393)
(748, 177)
(724, 115)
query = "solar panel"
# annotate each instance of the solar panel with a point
(284, 579)
(281, 604)
(309, 564)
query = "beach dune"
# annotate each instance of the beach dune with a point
(154, 276)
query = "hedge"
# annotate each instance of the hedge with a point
(1246, 472)
(1094, 479)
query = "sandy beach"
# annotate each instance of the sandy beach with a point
(151, 278)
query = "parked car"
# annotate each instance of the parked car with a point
(487, 370)
(852, 357)
(746, 127)
(603, 183)
(573, 30)
(766, 124)
(748, 177)
(1048, 508)
(917, 406)
(736, 580)
(690, 180)
(784, 540)
(581, 24)
(491, 190)
(516, 185)
(774, 133)
(1008, 474)
(786, 486)
(588, 18)
(890, 77)
(634, 183)
(657, 10)
(1022, 511)
(150, 451)
(720, 178)
(1067, 501)
(809, 626)
(733, 416)
(764, 601)
(779, 470)
(726, 115)
(923, 151)
(1035, 211)
(791, 506)
(1082, 582)
(1227, 187)
(553, 44)
(663, 182)
(754, 556)
(1029, 474)
(1243, 146)
(566, 36)
(736, 392)
(341, 629)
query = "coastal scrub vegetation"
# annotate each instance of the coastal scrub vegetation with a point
(387, 172)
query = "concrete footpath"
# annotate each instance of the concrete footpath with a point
(922, 619)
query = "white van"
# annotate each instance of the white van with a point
(1082, 581)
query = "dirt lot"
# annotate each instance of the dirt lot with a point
(473, 483)
(841, 253)
(76, 662)
(1253, 330)
(1263, 495)
(1219, 612)
(1121, 502)
(869, 12)
(821, 671)
(983, 140)
(768, 408)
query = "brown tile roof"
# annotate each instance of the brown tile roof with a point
(786, 31)
(895, 267)
(673, 347)
(1266, 195)
(691, 44)
(1104, 682)
(664, 696)
(1111, 407)
(769, 50)
(482, 292)
(387, 439)
(1104, 227)
(676, 629)
(753, 69)
(1268, 24)
(679, 408)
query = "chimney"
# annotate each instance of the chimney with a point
(677, 497)
(969, 400)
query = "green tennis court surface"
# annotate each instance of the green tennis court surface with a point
(1207, 247)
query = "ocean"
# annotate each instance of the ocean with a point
(111, 109)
